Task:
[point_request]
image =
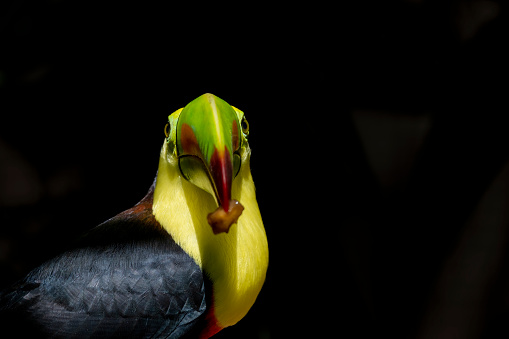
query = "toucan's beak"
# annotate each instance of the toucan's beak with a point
(207, 137)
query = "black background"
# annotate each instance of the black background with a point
(410, 245)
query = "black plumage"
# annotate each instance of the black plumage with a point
(126, 278)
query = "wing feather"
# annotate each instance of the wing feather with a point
(127, 277)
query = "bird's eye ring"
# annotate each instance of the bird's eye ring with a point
(167, 129)
(245, 126)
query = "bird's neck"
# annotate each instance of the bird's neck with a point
(236, 262)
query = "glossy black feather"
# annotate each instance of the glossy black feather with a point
(126, 278)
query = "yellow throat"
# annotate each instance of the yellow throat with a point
(236, 262)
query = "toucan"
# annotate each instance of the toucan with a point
(185, 262)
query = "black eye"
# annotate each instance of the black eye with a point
(245, 126)
(167, 130)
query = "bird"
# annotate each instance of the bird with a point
(188, 260)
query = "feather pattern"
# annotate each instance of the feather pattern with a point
(127, 277)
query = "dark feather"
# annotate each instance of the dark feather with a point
(126, 278)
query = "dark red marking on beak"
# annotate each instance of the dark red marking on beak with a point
(221, 171)
(189, 142)
(235, 135)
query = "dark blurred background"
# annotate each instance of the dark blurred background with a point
(380, 148)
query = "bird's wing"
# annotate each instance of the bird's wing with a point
(128, 278)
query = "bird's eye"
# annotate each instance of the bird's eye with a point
(245, 126)
(167, 130)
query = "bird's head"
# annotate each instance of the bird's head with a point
(203, 169)
(207, 138)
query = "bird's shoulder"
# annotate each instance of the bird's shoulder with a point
(126, 274)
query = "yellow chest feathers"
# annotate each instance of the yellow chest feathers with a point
(236, 262)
